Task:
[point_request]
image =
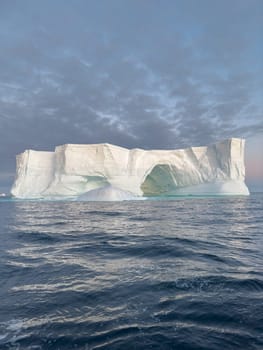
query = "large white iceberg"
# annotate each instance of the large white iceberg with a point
(74, 170)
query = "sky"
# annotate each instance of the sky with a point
(154, 74)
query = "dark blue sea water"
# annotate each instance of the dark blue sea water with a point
(170, 274)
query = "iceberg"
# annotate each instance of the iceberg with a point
(108, 172)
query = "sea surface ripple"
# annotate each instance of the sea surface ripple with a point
(170, 274)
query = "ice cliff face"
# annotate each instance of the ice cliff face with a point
(74, 170)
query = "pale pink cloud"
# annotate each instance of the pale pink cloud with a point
(254, 158)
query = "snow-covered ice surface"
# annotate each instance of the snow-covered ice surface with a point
(108, 172)
(107, 193)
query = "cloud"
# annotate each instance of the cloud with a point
(137, 74)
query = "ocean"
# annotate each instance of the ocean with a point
(157, 274)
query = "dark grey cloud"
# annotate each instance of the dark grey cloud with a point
(151, 74)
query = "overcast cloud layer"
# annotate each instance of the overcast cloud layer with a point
(136, 73)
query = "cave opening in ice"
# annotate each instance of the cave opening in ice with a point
(162, 179)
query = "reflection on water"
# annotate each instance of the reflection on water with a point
(181, 274)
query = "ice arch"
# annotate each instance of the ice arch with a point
(161, 179)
